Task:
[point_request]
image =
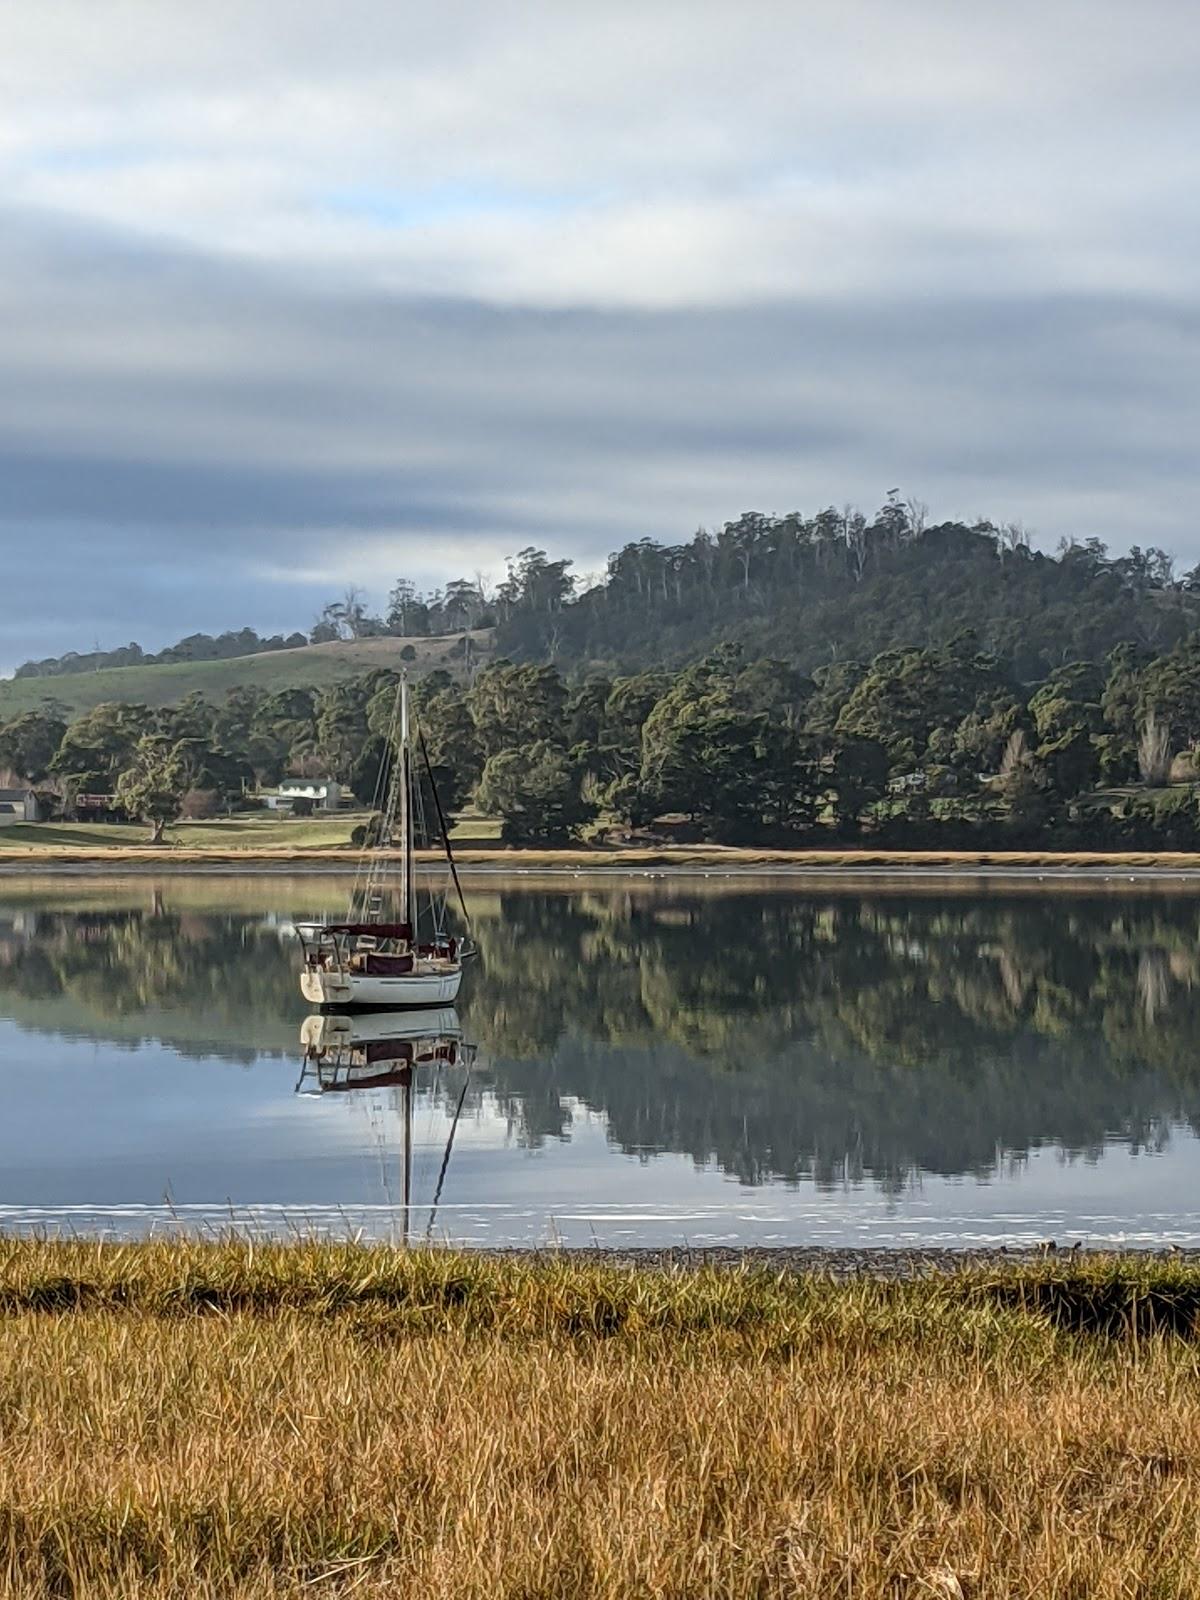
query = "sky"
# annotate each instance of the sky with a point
(294, 295)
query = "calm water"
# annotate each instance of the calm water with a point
(655, 1061)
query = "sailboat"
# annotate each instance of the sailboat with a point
(348, 1051)
(368, 960)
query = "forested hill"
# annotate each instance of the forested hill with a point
(839, 587)
(812, 591)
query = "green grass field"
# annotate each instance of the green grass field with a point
(275, 669)
(246, 1419)
(259, 832)
(252, 831)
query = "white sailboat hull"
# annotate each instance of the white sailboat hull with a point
(329, 987)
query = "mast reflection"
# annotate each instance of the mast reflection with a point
(345, 1052)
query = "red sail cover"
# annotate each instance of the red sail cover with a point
(377, 966)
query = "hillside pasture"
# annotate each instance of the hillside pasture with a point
(165, 685)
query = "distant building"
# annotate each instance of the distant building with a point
(323, 792)
(98, 808)
(18, 805)
(908, 783)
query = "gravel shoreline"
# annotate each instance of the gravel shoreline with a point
(840, 1264)
(832, 1262)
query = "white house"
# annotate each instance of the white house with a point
(18, 805)
(323, 792)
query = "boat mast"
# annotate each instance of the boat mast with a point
(408, 879)
(408, 1131)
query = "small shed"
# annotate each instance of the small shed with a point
(18, 805)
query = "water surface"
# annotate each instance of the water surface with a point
(656, 1062)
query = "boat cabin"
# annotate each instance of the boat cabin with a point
(372, 949)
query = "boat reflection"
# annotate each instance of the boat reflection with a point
(367, 1050)
(344, 1052)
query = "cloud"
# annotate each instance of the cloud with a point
(676, 154)
(297, 294)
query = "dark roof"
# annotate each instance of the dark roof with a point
(15, 794)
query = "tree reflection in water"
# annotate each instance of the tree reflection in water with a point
(806, 1035)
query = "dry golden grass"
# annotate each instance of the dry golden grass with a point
(304, 845)
(229, 1420)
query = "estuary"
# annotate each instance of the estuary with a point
(650, 1062)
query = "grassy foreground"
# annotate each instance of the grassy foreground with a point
(236, 1420)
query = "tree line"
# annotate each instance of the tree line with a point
(195, 647)
(929, 744)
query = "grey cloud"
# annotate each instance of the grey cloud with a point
(188, 443)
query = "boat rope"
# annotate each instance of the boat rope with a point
(437, 800)
(371, 869)
(437, 1193)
